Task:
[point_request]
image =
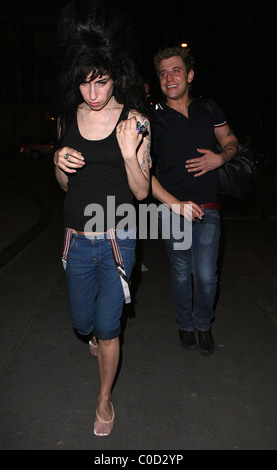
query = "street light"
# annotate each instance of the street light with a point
(184, 45)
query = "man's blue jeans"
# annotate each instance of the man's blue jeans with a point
(194, 271)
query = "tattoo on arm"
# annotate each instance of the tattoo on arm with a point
(229, 151)
(231, 147)
(143, 166)
(146, 162)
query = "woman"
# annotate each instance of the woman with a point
(103, 157)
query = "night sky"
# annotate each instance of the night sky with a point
(234, 44)
(233, 41)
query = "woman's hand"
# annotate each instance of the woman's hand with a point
(68, 159)
(128, 138)
(189, 210)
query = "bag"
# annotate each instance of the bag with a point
(236, 176)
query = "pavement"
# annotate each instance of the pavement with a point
(166, 399)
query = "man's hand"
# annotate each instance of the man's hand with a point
(208, 161)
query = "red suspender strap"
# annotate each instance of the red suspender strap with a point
(66, 246)
(120, 266)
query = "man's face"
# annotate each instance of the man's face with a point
(174, 78)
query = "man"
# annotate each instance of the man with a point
(184, 141)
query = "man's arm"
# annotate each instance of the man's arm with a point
(228, 142)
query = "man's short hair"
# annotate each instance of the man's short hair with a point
(168, 52)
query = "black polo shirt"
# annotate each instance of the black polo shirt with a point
(176, 139)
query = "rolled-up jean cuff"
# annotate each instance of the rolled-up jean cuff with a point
(107, 335)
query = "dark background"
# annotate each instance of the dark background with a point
(233, 41)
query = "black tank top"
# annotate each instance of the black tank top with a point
(101, 186)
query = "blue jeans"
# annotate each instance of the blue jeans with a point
(94, 288)
(194, 271)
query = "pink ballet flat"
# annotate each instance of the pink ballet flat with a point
(103, 428)
(93, 348)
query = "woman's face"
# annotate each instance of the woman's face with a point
(98, 92)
